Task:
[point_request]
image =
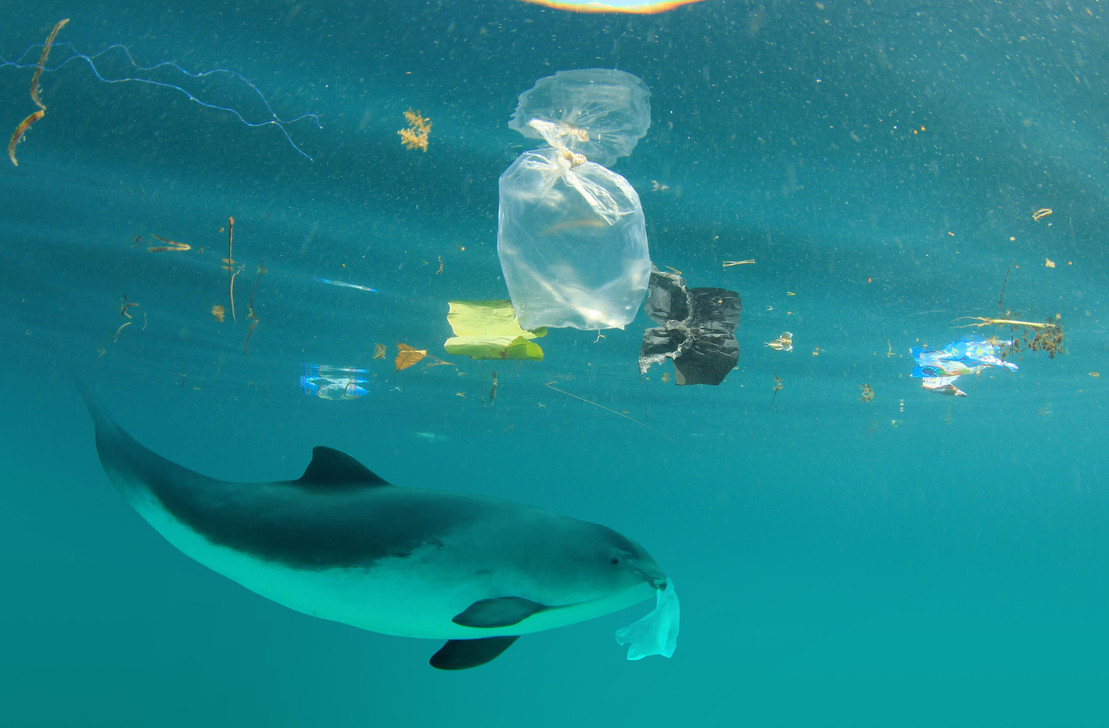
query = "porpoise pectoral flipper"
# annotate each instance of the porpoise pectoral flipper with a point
(499, 612)
(342, 544)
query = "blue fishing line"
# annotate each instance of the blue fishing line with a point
(91, 60)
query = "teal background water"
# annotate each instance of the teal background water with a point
(914, 560)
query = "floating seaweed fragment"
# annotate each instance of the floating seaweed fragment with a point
(1027, 335)
(157, 76)
(1042, 213)
(20, 130)
(251, 316)
(778, 387)
(218, 313)
(167, 246)
(415, 136)
(1048, 338)
(867, 393)
(17, 136)
(42, 62)
(409, 356)
(125, 307)
(492, 391)
(122, 326)
(229, 266)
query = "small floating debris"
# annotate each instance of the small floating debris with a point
(341, 284)
(333, 382)
(782, 343)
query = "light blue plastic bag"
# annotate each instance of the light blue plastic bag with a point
(656, 633)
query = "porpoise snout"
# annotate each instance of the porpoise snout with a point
(650, 571)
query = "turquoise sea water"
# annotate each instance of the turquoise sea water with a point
(913, 560)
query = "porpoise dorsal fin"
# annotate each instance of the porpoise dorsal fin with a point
(463, 654)
(332, 467)
(499, 612)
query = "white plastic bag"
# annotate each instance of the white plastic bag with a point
(572, 243)
(572, 239)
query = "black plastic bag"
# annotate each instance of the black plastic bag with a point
(697, 331)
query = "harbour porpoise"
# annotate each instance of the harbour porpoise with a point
(340, 543)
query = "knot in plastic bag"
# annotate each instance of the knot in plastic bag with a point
(599, 112)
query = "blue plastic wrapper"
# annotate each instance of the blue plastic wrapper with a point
(332, 382)
(941, 367)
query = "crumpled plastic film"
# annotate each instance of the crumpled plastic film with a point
(940, 368)
(598, 112)
(697, 331)
(333, 382)
(657, 632)
(489, 330)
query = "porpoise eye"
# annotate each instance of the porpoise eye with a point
(614, 561)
